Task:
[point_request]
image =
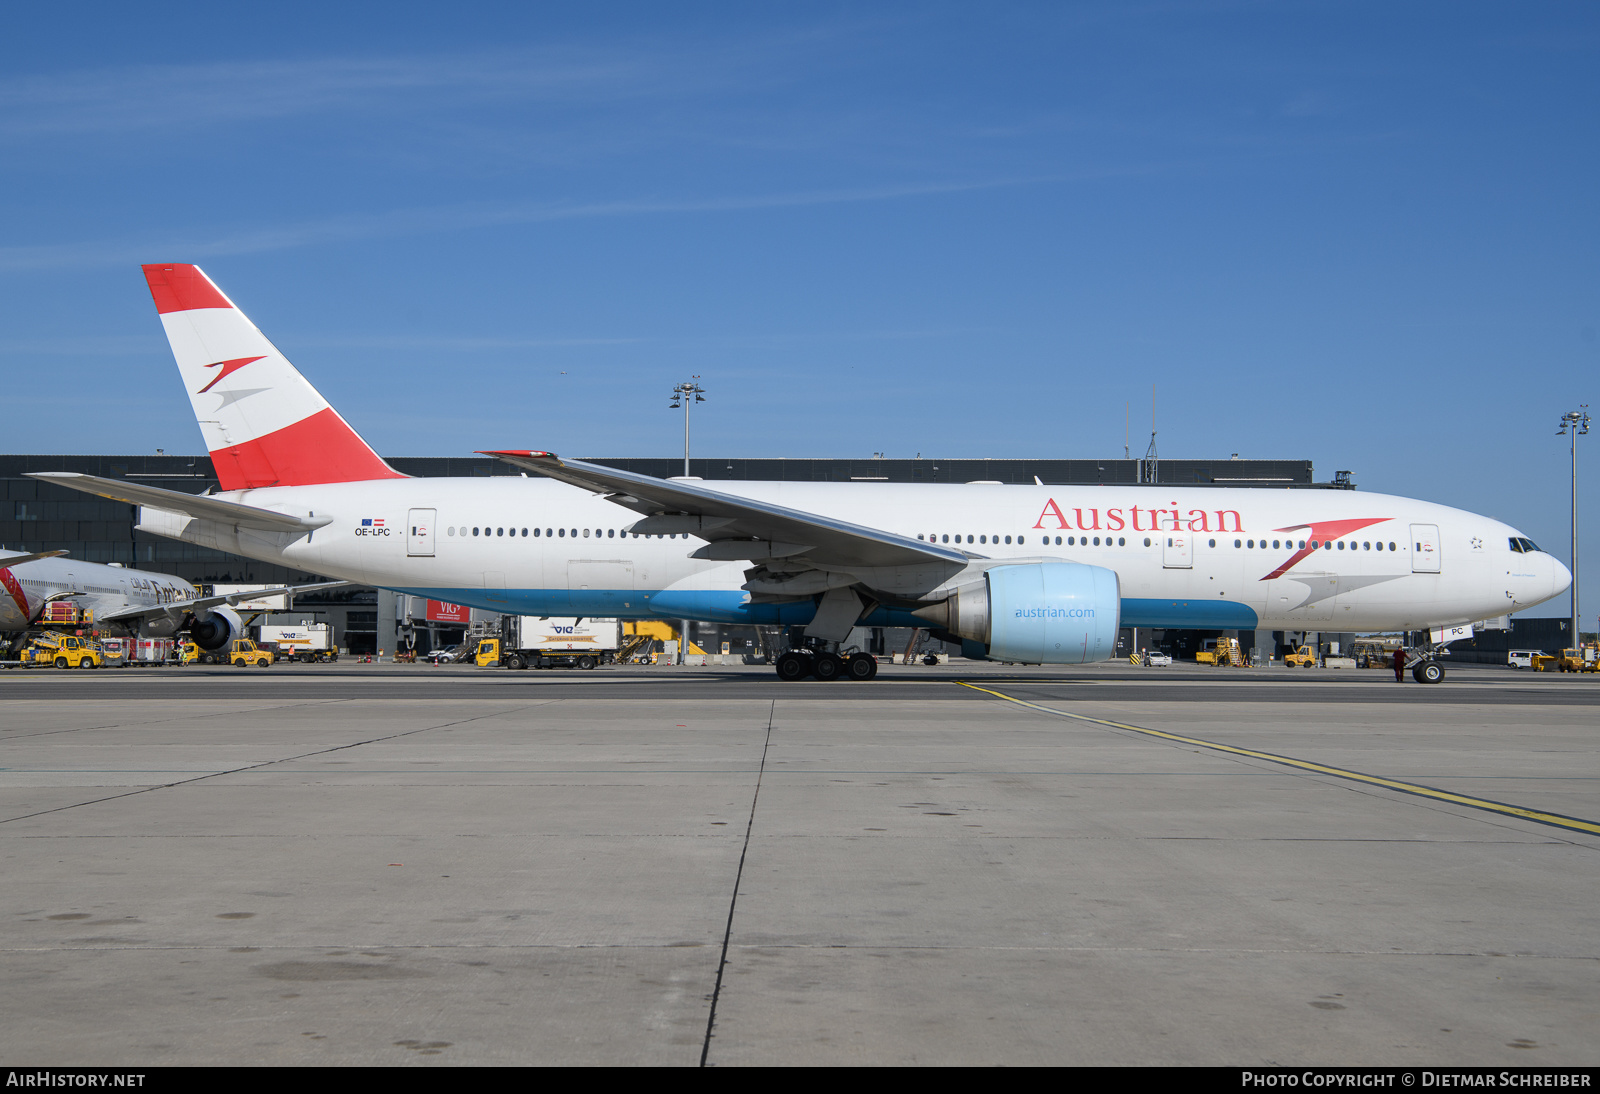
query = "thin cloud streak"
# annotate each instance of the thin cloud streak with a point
(188, 95)
(731, 341)
(572, 74)
(418, 221)
(113, 345)
(402, 342)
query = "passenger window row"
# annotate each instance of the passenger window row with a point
(969, 539)
(553, 533)
(1517, 544)
(1325, 545)
(1069, 541)
(1249, 544)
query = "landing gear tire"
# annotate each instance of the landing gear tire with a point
(1429, 672)
(828, 666)
(793, 666)
(861, 666)
(586, 662)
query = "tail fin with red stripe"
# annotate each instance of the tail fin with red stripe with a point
(263, 423)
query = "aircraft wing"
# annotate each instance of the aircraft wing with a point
(737, 528)
(195, 505)
(178, 609)
(17, 560)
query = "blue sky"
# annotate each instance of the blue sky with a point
(1359, 233)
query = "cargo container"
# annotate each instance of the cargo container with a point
(151, 651)
(62, 612)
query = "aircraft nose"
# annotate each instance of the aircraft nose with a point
(1560, 577)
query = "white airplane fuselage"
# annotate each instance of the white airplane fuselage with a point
(99, 588)
(1028, 573)
(1185, 557)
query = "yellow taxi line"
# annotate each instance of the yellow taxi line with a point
(1558, 820)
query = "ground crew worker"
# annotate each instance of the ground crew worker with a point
(1399, 666)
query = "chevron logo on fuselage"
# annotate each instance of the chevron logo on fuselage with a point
(1323, 531)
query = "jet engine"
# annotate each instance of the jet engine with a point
(160, 626)
(215, 629)
(1042, 613)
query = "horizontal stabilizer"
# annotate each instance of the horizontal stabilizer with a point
(18, 560)
(206, 508)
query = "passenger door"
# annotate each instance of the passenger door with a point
(1177, 551)
(419, 533)
(1425, 548)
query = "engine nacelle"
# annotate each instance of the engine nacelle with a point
(160, 626)
(216, 628)
(1042, 613)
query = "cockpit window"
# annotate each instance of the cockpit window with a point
(1530, 547)
(1524, 546)
(1516, 545)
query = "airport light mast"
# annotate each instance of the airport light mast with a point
(684, 390)
(1575, 424)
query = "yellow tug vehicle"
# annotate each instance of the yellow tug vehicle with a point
(244, 652)
(1304, 657)
(1583, 659)
(64, 651)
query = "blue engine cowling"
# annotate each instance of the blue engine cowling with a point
(1040, 613)
(1053, 613)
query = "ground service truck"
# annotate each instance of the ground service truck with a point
(307, 642)
(543, 642)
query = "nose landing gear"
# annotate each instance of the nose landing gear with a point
(1424, 669)
(1428, 672)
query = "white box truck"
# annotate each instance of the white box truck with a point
(543, 642)
(307, 642)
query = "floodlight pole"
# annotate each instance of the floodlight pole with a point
(1574, 424)
(690, 392)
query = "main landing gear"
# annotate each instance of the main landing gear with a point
(825, 664)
